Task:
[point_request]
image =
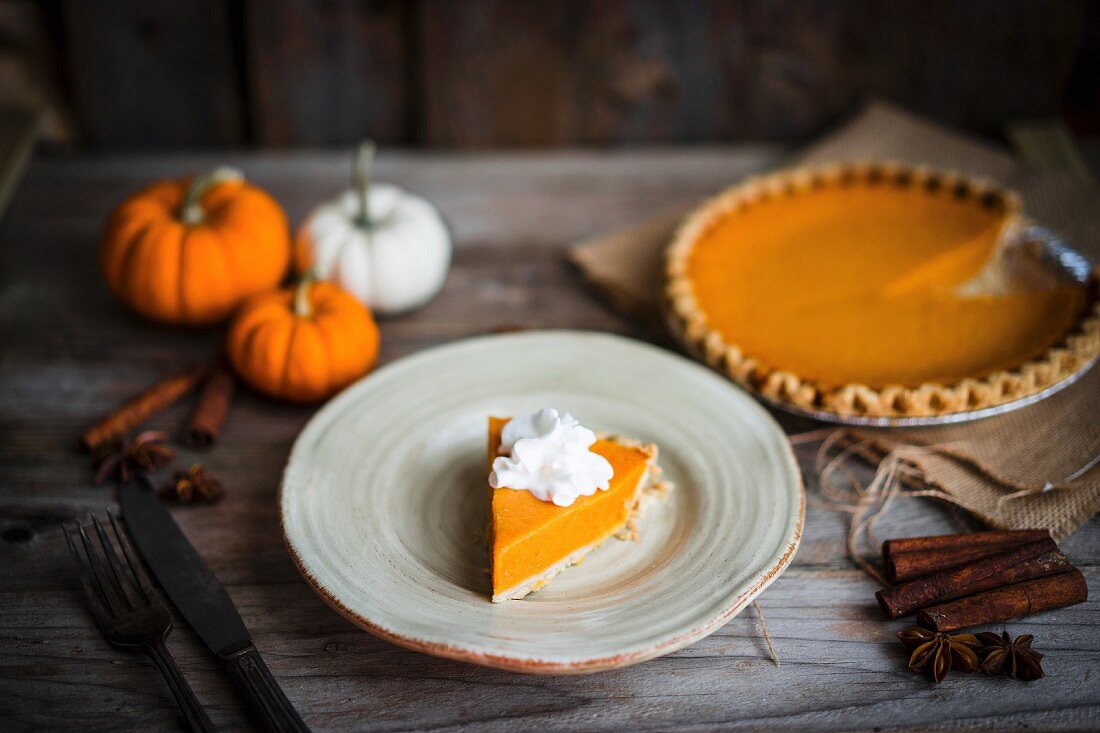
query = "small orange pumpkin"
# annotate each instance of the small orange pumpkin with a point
(303, 343)
(189, 251)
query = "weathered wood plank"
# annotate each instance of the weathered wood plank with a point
(568, 72)
(153, 73)
(68, 352)
(937, 57)
(329, 73)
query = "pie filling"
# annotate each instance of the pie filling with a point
(533, 540)
(859, 283)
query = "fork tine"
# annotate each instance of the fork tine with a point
(122, 579)
(98, 609)
(99, 573)
(132, 562)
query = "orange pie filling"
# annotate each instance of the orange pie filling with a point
(533, 540)
(859, 283)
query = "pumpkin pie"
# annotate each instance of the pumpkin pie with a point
(531, 541)
(847, 290)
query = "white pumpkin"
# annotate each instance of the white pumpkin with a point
(386, 246)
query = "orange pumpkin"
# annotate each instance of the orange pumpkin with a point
(304, 343)
(189, 251)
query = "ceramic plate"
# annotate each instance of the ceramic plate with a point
(384, 500)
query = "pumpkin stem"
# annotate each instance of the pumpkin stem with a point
(191, 212)
(364, 158)
(303, 307)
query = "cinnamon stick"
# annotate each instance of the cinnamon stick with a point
(905, 559)
(961, 541)
(140, 408)
(1008, 602)
(205, 423)
(1024, 562)
(904, 566)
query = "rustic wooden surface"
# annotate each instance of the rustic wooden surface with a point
(68, 352)
(478, 73)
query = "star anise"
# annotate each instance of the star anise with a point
(1002, 655)
(146, 452)
(193, 486)
(937, 653)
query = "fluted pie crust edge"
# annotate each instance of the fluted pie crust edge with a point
(688, 323)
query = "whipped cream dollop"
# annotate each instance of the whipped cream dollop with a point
(549, 455)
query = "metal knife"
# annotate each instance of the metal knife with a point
(203, 601)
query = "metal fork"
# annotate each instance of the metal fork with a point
(126, 607)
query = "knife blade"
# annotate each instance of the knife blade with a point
(202, 600)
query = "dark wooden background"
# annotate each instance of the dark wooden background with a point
(481, 73)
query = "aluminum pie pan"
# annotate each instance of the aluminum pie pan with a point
(951, 418)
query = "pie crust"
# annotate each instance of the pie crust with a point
(1063, 361)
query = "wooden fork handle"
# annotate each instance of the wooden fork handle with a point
(192, 709)
(253, 678)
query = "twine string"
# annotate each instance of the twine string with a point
(762, 626)
(897, 474)
(1049, 486)
(840, 489)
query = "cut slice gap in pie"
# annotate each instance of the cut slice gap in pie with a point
(859, 290)
(531, 541)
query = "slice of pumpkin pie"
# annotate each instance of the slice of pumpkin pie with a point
(556, 493)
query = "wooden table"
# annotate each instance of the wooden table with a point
(70, 352)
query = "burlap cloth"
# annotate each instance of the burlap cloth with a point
(1036, 467)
